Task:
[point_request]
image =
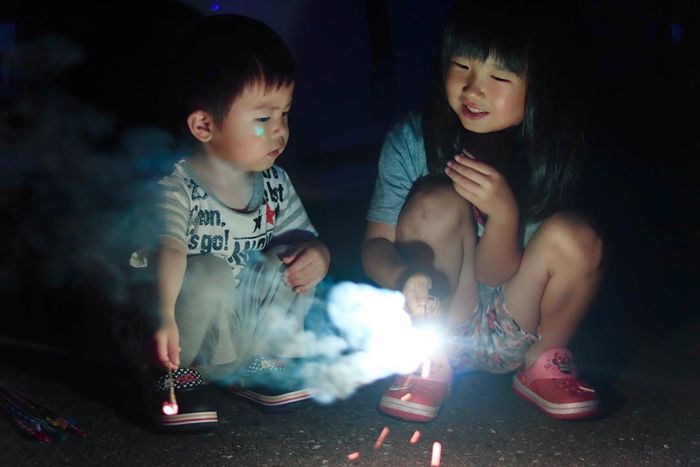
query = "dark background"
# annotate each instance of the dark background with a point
(83, 96)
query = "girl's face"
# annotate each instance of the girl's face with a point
(484, 96)
(255, 131)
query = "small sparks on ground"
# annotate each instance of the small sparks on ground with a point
(437, 451)
(416, 437)
(406, 396)
(354, 456)
(382, 437)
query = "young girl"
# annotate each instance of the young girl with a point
(467, 209)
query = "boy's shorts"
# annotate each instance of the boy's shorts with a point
(490, 340)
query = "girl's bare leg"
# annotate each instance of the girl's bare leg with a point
(436, 232)
(557, 280)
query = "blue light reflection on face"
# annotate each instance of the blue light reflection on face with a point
(259, 131)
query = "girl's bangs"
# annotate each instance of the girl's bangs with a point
(511, 57)
(497, 37)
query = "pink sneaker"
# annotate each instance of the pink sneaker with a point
(415, 398)
(552, 384)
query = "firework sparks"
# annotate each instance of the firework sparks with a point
(416, 437)
(382, 437)
(437, 453)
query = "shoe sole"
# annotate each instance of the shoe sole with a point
(560, 411)
(197, 421)
(405, 410)
(273, 401)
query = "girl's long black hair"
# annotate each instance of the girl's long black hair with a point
(540, 42)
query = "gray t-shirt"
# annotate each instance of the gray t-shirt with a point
(402, 161)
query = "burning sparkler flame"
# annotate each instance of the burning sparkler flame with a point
(375, 320)
(374, 338)
(170, 408)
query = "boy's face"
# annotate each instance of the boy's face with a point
(484, 96)
(255, 131)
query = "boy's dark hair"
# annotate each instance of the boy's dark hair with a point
(536, 41)
(222, 55)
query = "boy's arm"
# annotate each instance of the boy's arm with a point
(307, 265)
(172, 262)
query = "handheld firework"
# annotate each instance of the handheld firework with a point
(170, 406)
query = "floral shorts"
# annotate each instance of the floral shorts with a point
(490, 340)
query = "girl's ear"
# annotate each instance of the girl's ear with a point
(201, 125)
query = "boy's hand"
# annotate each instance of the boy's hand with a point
(419, 302)
(164, 348)
(483, 186)
(307, 265)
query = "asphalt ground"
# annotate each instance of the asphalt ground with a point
(650, 417)
(638, 347)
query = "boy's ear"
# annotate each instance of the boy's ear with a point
(201, 125)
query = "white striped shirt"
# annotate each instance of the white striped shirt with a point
(195, 217)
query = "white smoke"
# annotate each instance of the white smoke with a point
(375, 339)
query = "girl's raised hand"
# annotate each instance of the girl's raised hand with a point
(483, 186)
(420, 303)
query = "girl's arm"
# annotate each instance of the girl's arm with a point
(380, 258)
(383, 264)
(498, 252)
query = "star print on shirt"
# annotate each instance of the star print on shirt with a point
(269, 214)
(258, 222)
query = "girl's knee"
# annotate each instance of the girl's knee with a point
(434, 208)
(574, 237)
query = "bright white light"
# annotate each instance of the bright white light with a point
(375, 321)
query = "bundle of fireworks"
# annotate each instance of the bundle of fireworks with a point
(36, 421)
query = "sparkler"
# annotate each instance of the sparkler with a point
(170, 406)
(35, 420)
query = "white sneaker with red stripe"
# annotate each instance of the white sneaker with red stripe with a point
(552, 385)
(271, 383)
(418, 398)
